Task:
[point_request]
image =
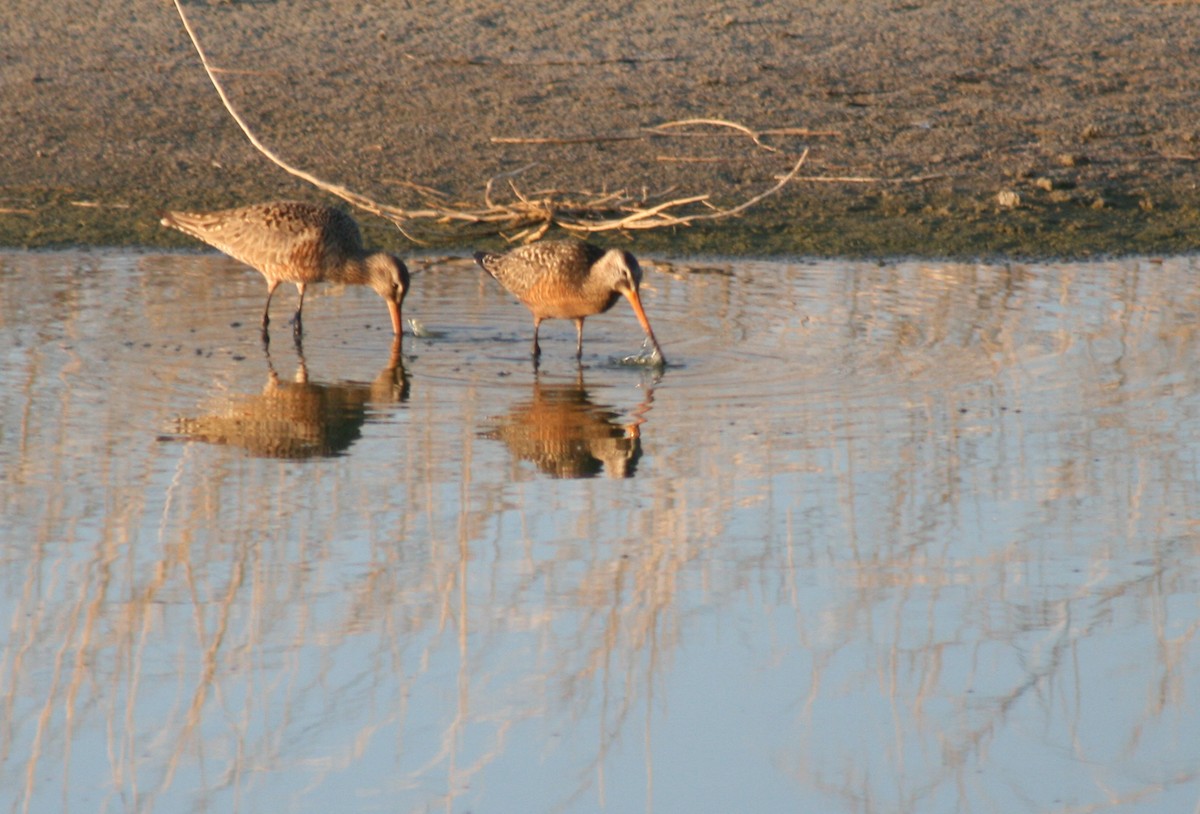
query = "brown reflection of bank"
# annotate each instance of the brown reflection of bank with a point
(567, 435)
(300, 418)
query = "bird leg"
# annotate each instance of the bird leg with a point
(266, 320)
(537, 350)
(579, 337)
(297, 324)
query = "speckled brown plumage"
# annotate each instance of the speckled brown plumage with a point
(569, 279)
(301, 243)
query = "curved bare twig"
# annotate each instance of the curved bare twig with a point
(530, 216)
(741, 128)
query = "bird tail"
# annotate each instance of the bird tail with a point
(488, 261)
(179, 220)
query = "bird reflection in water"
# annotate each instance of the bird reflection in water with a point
(300, 418)
(566, 435)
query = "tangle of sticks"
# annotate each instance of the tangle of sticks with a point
(525, 217)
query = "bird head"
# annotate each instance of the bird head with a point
(621, 270)
(388, 277)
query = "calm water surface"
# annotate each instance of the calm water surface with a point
(899, 537)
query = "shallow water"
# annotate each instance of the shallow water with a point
(897, 537)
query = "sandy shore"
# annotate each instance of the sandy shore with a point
(934, 128)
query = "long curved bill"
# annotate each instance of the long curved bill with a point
(394, 310)
(636, 301)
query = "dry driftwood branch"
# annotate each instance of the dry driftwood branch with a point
(559, 140)
(667, 129)
(487, 189)
(663, 129)
(476, 61)
(800, 131)
(530, 215)
(427, 191)
(661, 215)
(868, 179)
(692, 159)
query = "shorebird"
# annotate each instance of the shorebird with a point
(569, 279)
(298, 243)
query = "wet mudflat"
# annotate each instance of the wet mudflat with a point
(898, 537)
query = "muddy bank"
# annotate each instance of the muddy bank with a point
(1017, 128)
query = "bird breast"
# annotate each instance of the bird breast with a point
(550, 300)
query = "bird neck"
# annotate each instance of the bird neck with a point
(354, 271)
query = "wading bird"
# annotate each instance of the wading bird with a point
(301, 243)
(569, 279)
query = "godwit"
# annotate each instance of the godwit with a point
(298, 243)
(569, 279)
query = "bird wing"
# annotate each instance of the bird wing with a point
(274, 237)
(550, 263)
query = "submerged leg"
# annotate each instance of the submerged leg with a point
(266, 320)
(297, 324)
(537, 323)
(579, 337)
